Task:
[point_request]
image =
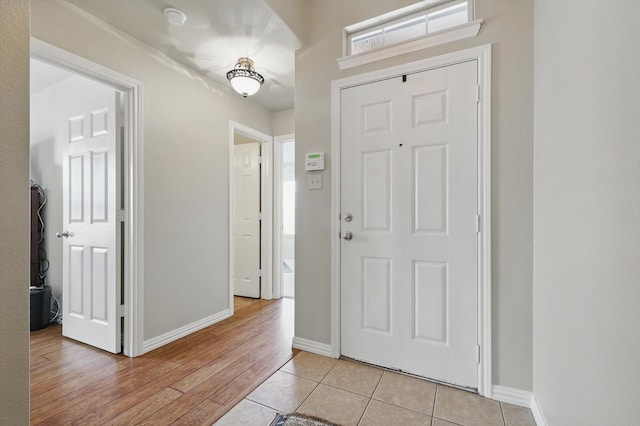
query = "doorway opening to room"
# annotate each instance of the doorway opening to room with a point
(249, 202)
(76, 166)
(262, 214)
(284, 216)
(84, 157)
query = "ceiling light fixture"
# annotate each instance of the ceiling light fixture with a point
(244, 79)
(175, 17)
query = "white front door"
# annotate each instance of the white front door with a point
(409, 185)
(91, 281)
(246, 278)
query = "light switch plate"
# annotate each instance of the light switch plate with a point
(315, 181)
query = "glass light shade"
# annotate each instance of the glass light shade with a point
(246, 86)
(244, 79)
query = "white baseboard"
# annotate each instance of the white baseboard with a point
(312, 346)
(511, 395)
(522, 398)
(181, 332)
(537, 412)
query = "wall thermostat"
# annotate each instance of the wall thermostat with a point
(314, 161)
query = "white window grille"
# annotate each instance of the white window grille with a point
(424, 24)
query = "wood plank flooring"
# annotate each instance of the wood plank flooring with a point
(192, 381)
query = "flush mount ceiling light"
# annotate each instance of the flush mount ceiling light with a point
(244, 79)
(175, 17)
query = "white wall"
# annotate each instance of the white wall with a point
(283, 122)
(47, 143)
(14, 212)
(509, 27)
(186, 151)
(587, 210)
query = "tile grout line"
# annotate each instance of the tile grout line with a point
(299, 405)
(433, 413)
(435, 399)
(364, 411)
(398, 406)
(377, 384)
(307, 397)
(313, 390)
(370, 398)
(504, 421)
(351, 392)
(257, 403)
(330, 370)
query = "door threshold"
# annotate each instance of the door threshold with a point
(409, 374)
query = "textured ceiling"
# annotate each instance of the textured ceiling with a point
(216, 34)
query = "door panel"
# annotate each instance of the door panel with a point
(376, 294)
(247, 220)
(376, 186)
(430, 301)
(99, 192)
(409, 179)
(91, 285)
(430, 183)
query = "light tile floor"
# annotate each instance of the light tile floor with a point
(349, 393)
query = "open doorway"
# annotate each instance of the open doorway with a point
(85, 156)
(284, 216)
(247, 220)
(76, 164)
(250, 217)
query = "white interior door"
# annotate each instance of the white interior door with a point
(409, 183)
(91, 281)
(246, 278)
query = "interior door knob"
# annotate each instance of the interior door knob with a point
(62, 234)
(347, 236)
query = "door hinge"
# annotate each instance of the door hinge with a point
(477, 354)
(260, 216)
(121, 215)
(121, 311)
(259, 273)
(478, 221)
(478, 93)
(260, 159)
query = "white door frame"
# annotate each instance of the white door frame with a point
(483, 55)
(266, 189)
(277, 212)
(132, 243)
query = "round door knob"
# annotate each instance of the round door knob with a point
(347, 236)
(62, 234)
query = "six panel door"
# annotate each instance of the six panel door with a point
(409, 183)
(91, 283)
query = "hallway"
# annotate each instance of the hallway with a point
(192, 381)
(242, 366)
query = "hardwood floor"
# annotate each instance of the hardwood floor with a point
(192, 381)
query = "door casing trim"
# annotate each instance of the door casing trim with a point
(134, 176)
(266, 189)
(483, 55)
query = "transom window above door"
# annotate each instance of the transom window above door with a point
(418, 26)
